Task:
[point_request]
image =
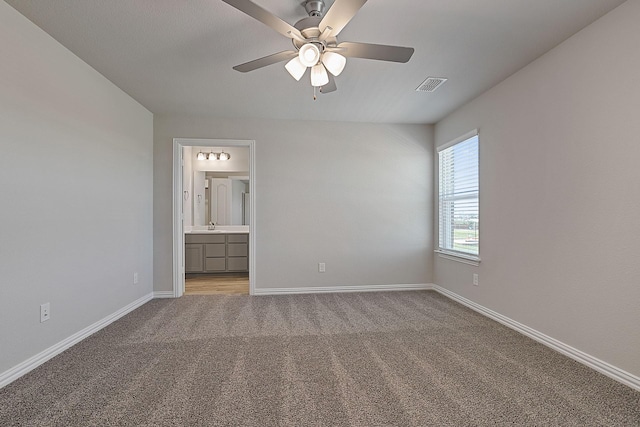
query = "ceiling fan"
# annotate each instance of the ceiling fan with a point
(315, 42)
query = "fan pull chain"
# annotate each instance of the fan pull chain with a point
(314, 93)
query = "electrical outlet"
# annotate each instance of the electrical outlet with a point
(475, 279)
(45, 312)
(135, 278)
(321, 267)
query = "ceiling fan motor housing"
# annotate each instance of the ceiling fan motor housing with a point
(309, 26)
(309, 29)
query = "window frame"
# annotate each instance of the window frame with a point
(452, 254)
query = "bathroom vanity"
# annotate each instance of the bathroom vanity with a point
(216, 252)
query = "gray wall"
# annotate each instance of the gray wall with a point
(76, 192)
(355, 196)
(560, 192)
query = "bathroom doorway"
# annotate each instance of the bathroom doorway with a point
(213, 216)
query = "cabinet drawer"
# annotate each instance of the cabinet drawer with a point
(237, 249)
(214, 250)
(237, 238)
(204, 238)
(214, 264)
(238, 264)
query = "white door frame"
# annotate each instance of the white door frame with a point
(178, 230)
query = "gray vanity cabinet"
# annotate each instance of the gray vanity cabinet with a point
(214, 257)
(193, 258)
(216, 253)
(237, 252)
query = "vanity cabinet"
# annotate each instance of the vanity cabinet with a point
(193, 260)
(237, 252)
(216, 253)
(215, 257)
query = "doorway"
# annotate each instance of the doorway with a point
(180, 194)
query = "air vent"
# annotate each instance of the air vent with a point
(431, 84)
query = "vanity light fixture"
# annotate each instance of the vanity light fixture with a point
(213, 156)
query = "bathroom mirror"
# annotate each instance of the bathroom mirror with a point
(227, 198)
(214, 190)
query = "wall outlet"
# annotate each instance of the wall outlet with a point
(135, 278)
(45, 312)
(475, 279)
(321, 267)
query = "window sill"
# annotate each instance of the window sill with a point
(454, 256)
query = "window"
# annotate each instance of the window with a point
(458, 197)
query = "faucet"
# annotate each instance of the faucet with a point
(212, 226)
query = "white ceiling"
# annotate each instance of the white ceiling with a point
(176, 56)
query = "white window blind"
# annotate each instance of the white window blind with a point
(458, 197)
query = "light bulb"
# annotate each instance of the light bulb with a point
(200, 156)
(334, 62)
(295, 68)
(319, 76)
(309, 55)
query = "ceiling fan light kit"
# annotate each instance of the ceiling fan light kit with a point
(319, 76)
(316, 43)
(309, 54)
(334, 62)
(296, 68)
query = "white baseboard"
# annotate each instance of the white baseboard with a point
(337, 289)
(593, 362)
(163, 294)
(37, 360)
(580, 356)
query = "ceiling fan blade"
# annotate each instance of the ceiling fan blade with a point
(379, 52)
(329, 87)
(264, 16)
(339, 15)
(267, 60)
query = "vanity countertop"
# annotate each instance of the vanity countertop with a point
(223, 229)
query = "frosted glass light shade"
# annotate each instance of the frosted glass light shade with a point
(224, 156)
(309, 55)
(295, 68)
(319, 76)
(334, 62)
(201, 156)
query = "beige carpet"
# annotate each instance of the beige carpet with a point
(374, 359)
